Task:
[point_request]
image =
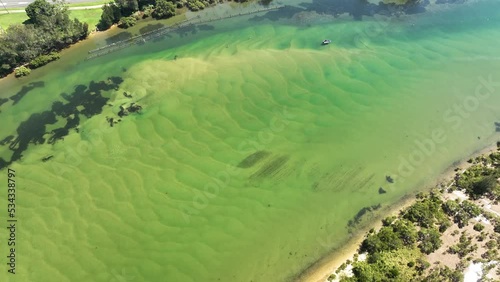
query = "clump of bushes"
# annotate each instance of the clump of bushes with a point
(48, 28)
(427, 212)
(478, 227)
(461, 212)
(481, 180)
(163, 9)
(195, 5)
(464, 246)
(126, 22)
(43, 60)
(430, 240)
(22, 71)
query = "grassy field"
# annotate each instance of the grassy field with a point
(90, 3)
(12, 18)
(90, 16)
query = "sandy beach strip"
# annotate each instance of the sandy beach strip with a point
(320, 270)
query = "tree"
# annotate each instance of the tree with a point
(482, 186)
(365, 272)
(430, 240)
(39, 10)
(406, 231)
(127, 22)
(444, 274)
(386, 239)
(426, 212)
(420, 214)
(467, 211)
(49, 29)
(127, 7)
(451, 207)
(163, 9)
(110, 15)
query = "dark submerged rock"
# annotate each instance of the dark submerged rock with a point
(85, 100)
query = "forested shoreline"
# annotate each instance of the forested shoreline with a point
(49, 29)
(31, 44)
(440, 235)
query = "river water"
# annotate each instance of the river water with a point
(257, 150)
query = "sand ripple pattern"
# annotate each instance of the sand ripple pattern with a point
(253, 150)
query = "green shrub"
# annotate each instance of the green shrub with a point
(481, 236)
(467, 211)
(430, 240)
(444, 225)
(43, 60)
(426, 212)
(464, 246)
(444, 274)
(478, 227)
(385, 240)
(451, 207)
(148, 11)
(491, 244)
(497, 227)
(126, 22)
(483, 186)
(388, 220)
(163, 9)
(195, 5)
(22, 71)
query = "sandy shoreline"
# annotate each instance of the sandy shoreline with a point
(327, 265)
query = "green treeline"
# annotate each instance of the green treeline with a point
(48, 29)
(397, 251)
(125, 13)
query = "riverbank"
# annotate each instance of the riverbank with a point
(328, 267)
(91, 15)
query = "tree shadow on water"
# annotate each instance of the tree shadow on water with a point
(119, 37)
(84, 100)
(286, 12)
(355, 8)
(206, 27)
(25, 90)
(150, 27)
(185, 30)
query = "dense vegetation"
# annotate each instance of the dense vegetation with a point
(481, 178)
(126, 12)
(397, 251)
(48, 29)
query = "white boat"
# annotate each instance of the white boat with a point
(326, 42)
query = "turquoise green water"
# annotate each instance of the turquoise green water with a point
(254, 148)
